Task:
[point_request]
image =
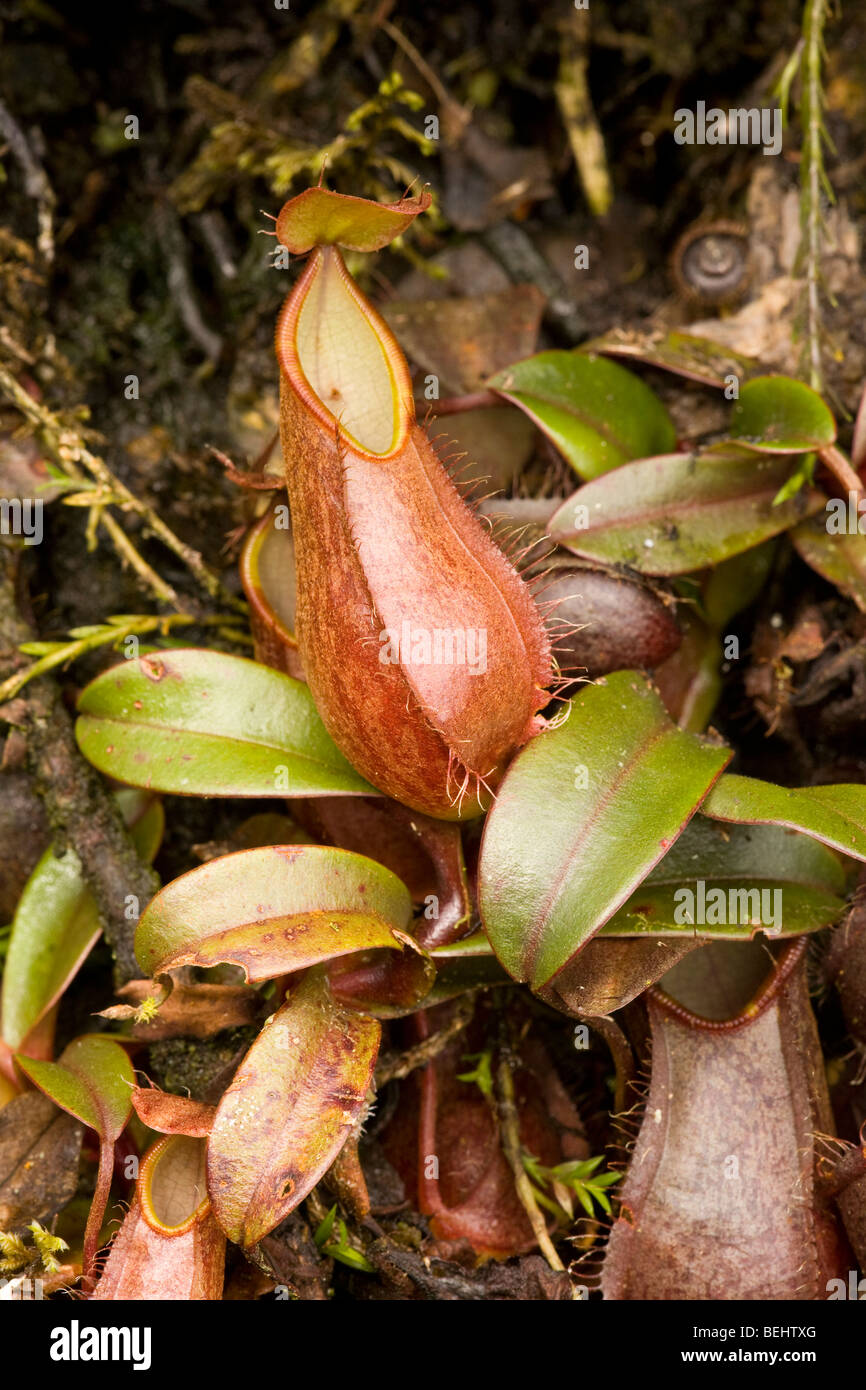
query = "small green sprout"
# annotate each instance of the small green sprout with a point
(482, 1076)
(340, 1249)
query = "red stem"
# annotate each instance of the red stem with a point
(97, 1212)
(835, 461)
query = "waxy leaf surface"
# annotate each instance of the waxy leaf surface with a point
(598, 414)
(681, 512)
(320, 217)
(583, 815)
(776, 414)
(92, 1081)
(201, 723)
(272, 911)
(738, 859)
(835, 814)
(289, 1110)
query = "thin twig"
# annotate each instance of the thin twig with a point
(69, 449)
(114, 632)
(510, 1123)
(81, 810)
(813, 180)
(399, 1065)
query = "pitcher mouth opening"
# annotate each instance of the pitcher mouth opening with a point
(172, 1185)
(342, 360)
(763, 981)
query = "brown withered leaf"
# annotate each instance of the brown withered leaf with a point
(716, 1205)
(290, 1255)
(464, 341)
(39, 1148)
(485, 180)
(289, 1110)
(193, 1011)
(607, 975)
(169, 1114)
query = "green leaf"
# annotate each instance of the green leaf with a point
(346, 1254)
(583, 815)
(834, 814)
(776, 414)
(319, 217)
(598, 414)
(93, 1081)
(201, 723)
(340, 1249)
(272, 911)
(681, 512)
(744, 859)
(289, 1110)
(838, 556)
(802, 476)
(325, 1227)
(57, 923)
(698, 359)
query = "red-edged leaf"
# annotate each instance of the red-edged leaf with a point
(839, 555)
(584, 813)
(289, 1110)
(273, 910)
(834, 814)
(93, 1081)
(681, 512)
(776, 414)
(597, 413)
(319, 217)
(200, 723)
